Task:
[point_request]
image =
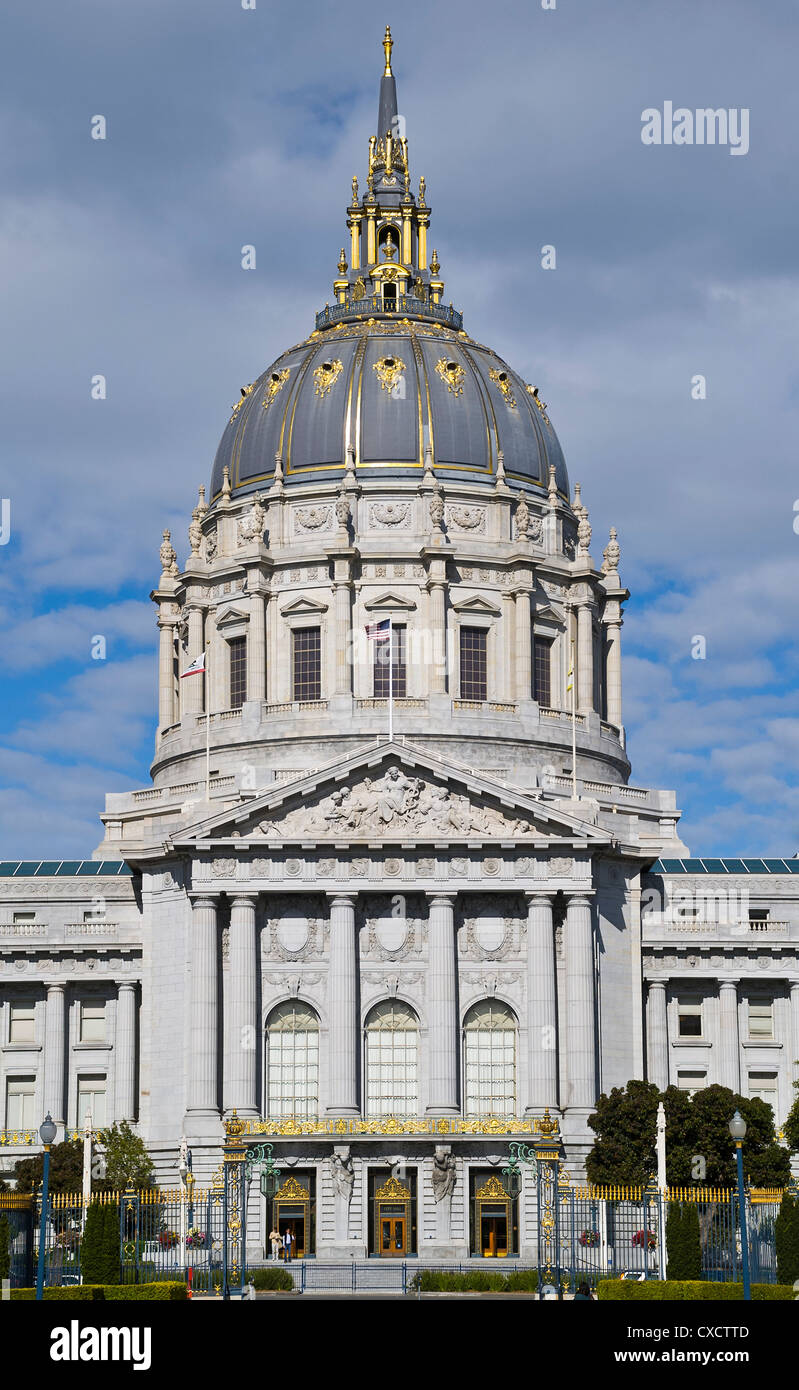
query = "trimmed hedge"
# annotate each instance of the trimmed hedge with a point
(166, 1291)
(688, 1291)
(276, 1278)
(475, 1281)
(786, 1237)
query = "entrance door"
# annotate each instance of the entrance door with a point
(494, 1231)
(393, 1238)
(293, 1219)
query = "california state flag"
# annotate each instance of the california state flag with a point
(197, 666)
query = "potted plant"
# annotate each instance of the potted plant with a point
(589, 1239)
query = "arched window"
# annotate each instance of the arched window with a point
(292, 1061)
(392, 1060)
(489, 1045)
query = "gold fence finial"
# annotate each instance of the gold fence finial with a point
(388, 44)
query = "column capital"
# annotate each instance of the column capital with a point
(54, 985)
(656, 984)
(341, 899)
(584, 898)
(539, 895)
(440, 898)
(128, 985)
(244, 900)
(729, 985)
(198, 899)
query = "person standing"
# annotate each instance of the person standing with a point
(274, 1241)
(287, 1243)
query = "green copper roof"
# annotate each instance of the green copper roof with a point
(64, 868)
(726, 866)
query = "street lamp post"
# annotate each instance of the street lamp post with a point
(184, 1169)
(738, 1132)
(47, 1134)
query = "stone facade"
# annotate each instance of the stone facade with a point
(389, 954)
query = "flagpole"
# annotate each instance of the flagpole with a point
(390, 681)
(207, 724)
(574, 730)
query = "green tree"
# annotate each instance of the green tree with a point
(698, 1143)
(786, 1239)
(110, 1244)
(5, 1247)
(791, 1127)
(674, 1241)
(127, 1162)
(66, 1169)
(91, 1245)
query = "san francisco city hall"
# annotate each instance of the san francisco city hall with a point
(389, 955)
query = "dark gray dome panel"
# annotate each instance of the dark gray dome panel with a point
(387, 388)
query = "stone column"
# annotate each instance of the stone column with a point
(203, 1098)
(524, 633)
(542, 1016)
(438, 632)
(241, 1023)
(341, 603)
(125, 1052)
(442, 1006)
(166, 671)
(193, 686)
(729, 1069)
(585, 659)
(657, 1045)
(343, 1004)
(613, 671)
(580, 1005)
(55, 1036)
(794, 1004)
(256, 647)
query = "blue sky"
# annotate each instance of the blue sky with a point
(228, 127)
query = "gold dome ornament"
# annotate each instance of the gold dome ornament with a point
(435, 264)
(342, 263)
(326, 375)
(388, 44)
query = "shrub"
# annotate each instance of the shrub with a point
(786, 1239)
(522, 1281)
(90, 1253)
(271, 1279)
(171, 1292)
(683, 1246)
(688, 1290)
(110, 1246)
(5, 1252)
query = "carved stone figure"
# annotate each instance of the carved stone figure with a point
(342, 508)
(522, 518)
(611, 553)
(168, 556)
(251, 526)
(343, 1175)
(195, 532)
(443, 1174)
(437, 510)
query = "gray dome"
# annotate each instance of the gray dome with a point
(387, 388)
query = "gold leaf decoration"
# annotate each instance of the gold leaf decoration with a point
(389, 370)
(503, 382)
(326, 375)
(453, 374)
(276, 382)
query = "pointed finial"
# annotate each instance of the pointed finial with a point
(500, 466)
(429, 477)
(435, 264)
(388, 44)
(355, 190)
(552, 487)
(202, 505)
(342, 263)
(349, 466)
(611, 553)
(577, 504)
(278, 482)
(422, 190)
(226, 488)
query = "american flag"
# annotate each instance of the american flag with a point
(379, 632)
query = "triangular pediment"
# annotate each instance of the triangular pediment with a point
(231, 616)
(390, 600)
(548, 615)
(477, 605)
(301, 605)
(394, 792)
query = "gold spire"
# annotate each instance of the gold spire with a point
(388, 44)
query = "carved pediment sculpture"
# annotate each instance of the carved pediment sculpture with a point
(397, 804)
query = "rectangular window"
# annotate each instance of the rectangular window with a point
(20, 1095)
(91, 1098)
(398, 663)
(542, 671)
(238, 672)
(763, 1085)
(22, 1026)
(307, 654)
(473, 663)
(24, 916)
(691, 1081)
(758, 918)
(92, 1022)
(94, 914)
(761, 1018)
(689, 1013)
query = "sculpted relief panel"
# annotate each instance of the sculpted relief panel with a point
(391, 925)
(401, 805)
